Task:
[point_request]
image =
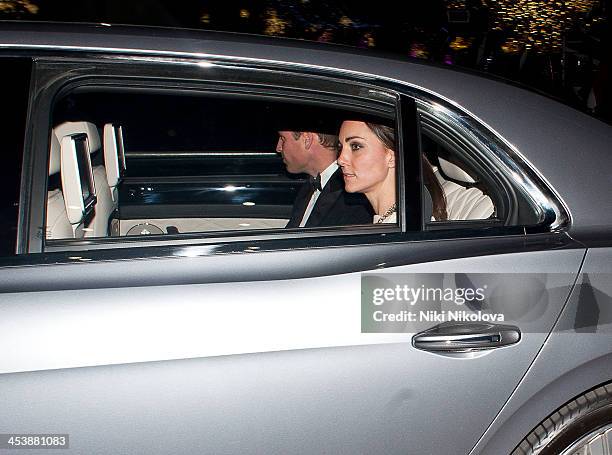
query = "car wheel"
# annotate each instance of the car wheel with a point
(581, 427)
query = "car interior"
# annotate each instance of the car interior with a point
(466, 196)
(167, 163)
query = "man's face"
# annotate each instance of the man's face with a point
(295, 155)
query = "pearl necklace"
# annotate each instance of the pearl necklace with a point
(388, 213)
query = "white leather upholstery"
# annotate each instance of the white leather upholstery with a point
(98, 226)
(464, 203)
(70, 128)
(54, 156)
(454, 172)
(206, 224)
(57, 224)
(71, 184)
(113, 146)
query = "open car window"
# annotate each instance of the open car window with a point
(171, 161)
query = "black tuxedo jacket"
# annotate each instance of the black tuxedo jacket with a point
(334, 206)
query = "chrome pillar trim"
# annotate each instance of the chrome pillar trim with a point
(551, 209)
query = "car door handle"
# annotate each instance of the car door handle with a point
(465, 337)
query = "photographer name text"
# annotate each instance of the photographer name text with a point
(436, 316)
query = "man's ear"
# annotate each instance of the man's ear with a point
(390, 158)
(308, 138)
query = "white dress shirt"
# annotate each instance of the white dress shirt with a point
(325, 176)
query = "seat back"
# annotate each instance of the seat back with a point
(78, 187)
(57, 224)
(114, 158)
(463, 202)
(98, 225)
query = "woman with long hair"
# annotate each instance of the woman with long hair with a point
(368, 158)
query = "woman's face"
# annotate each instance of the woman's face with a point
(364, 159)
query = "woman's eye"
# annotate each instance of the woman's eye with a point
(355, 146)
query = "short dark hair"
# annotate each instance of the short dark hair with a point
(329, 141)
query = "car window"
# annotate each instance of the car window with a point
(162, 161)
(464, 185)
(457, 193)
(15, 82)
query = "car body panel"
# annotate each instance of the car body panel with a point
(576, 357)
(277, 366)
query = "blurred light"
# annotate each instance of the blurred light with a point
(274, 24)
(232, 188)
(345, 21)
(205, 18)
(18, 6)
(248, 204)
(460, 43)
(194, 251)
(245, 14)
(418, 50)
(370, 40)
(455, 4)
(511, 46)
(537, 24)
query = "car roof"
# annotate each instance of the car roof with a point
(567, 146)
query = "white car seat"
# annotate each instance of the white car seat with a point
(98, 226)
(57, 224)
(462, 202)
(114, 158)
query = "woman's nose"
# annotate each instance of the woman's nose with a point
(343, 158)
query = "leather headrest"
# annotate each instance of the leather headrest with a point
(454, 172)
(71, 128)
(54, 156)
(72, 180)
(112, 149)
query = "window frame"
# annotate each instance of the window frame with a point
(502, 193)
(511, 175)
(19, 69)
(59, 85)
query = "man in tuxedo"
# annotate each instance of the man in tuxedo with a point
(322, 200)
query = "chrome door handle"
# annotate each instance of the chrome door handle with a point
(465, 337)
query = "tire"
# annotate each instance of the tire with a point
(587, 415)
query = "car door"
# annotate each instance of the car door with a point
(255, 343)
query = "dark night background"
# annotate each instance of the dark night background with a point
(561, 47)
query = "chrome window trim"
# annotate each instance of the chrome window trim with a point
(550, 207)
(515, 166)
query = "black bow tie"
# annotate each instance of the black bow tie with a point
(316, 183)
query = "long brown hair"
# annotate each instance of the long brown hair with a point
(386, 135)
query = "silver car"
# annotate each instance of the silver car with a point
(152, 300)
